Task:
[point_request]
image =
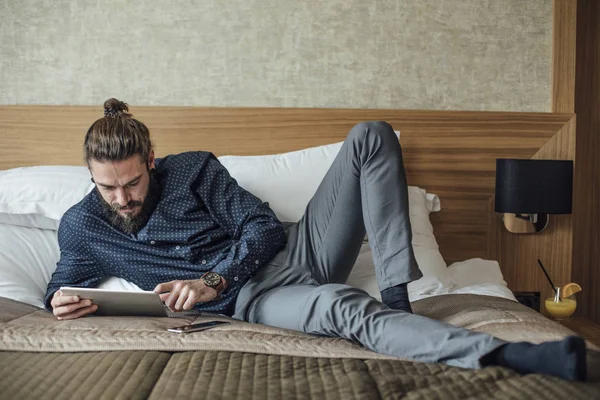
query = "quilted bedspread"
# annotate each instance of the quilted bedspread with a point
(124, 357)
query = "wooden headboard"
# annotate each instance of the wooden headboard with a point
(449, 153)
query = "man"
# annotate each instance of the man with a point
(181, 226)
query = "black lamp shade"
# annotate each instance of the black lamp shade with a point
(534, 186)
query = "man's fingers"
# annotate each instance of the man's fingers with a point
(164, 296)
(164, 287)
(60, 311)
(164, 290)
(62, 300)
(172, 299)
(80, 312)
(69, 308)
(191, 301)
(64, 311)
(183, 295)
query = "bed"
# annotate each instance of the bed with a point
(450, 159)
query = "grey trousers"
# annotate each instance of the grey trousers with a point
(302, 287)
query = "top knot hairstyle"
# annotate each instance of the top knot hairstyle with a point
(114, 107)
(117, 136)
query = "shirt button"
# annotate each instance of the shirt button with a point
(203, 261)
(177, 247)
(235, 279)
(256, 262)
(152, 242)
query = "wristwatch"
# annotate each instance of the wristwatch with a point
(213, 280)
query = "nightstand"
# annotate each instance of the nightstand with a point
(583, 327)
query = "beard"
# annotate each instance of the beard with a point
(133, 224)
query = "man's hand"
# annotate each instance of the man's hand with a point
(183, 295)
(71, 307)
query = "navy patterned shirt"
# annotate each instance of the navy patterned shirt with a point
(204, 221)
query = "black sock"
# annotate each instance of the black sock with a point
(396, 297)
(565, 359)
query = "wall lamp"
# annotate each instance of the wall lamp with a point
(528, 190)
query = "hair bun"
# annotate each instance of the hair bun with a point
(114, 107)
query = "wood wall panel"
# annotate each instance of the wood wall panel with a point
(518, 254)
(586, 202)
(564, 32)
(451, 153)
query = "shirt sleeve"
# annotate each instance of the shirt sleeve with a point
(73, 268)
(258, 234)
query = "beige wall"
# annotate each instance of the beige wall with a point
(413, 54)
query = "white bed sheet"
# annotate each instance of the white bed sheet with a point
(487, 289)
(474, 276)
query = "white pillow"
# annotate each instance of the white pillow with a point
(478, 276)
(475, 271)
(37, 197)
(28, 257)
(287, 181)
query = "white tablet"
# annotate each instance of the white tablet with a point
(124, 302)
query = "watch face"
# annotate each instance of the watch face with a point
(212, 279)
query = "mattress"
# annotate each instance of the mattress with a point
(124, 357)
(28, 328)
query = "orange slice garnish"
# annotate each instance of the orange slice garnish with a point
(569, 289)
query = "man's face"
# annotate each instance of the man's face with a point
(123, 185)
